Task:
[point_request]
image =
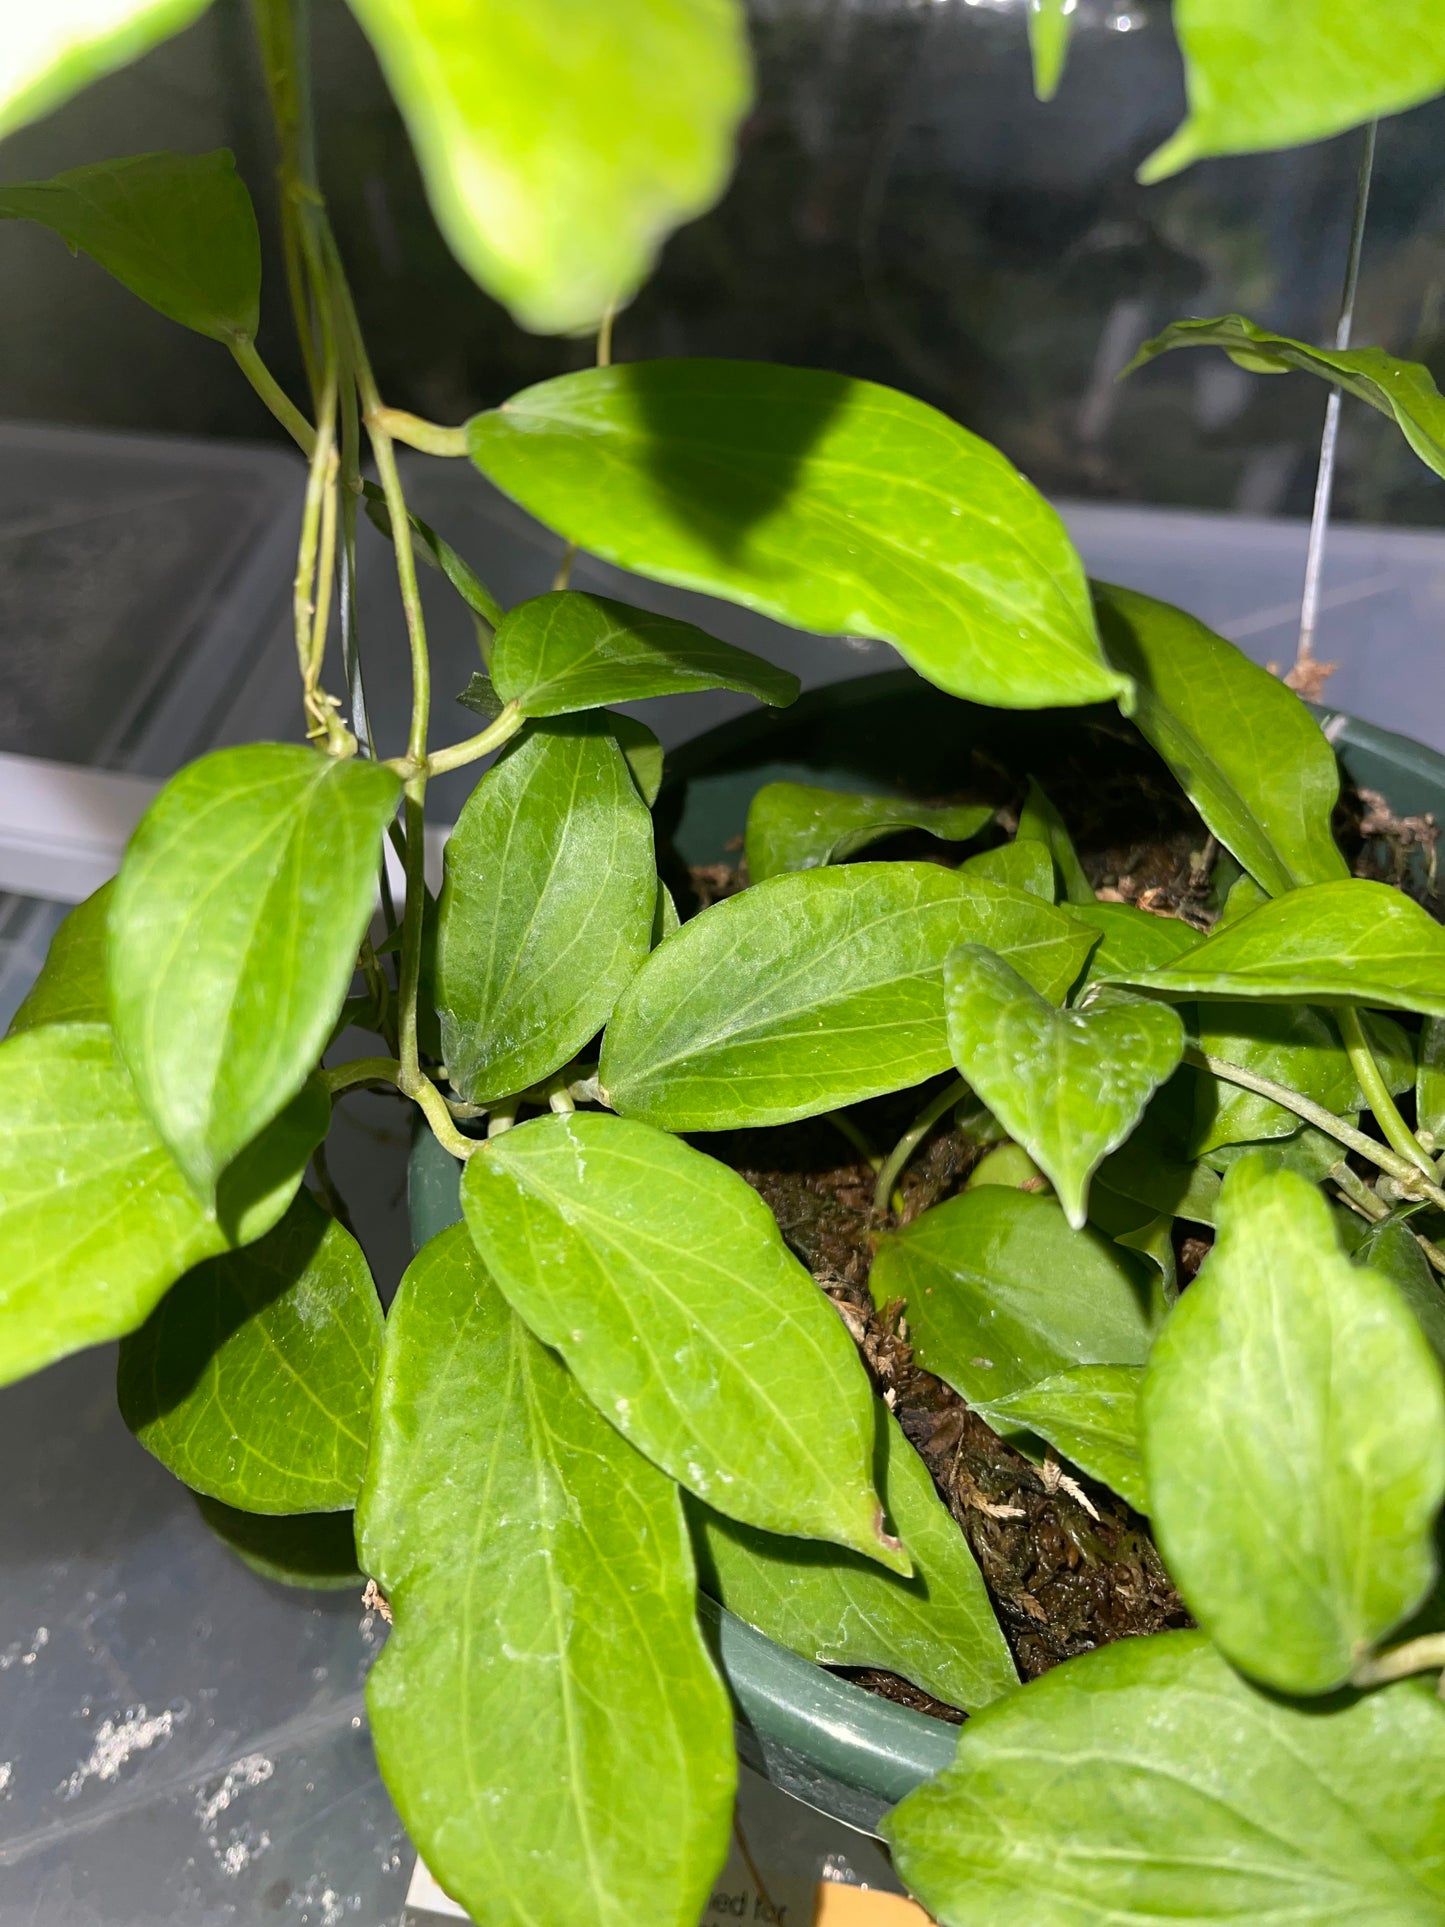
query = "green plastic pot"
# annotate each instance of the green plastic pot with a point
(842, 1750)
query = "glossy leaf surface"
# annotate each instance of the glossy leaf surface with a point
(561, 142)
(233, 935)
(796, 826)
(1091, 1416)
(51, 52)
(1275, 76)
(1249, 755)
(936, 1628)
(1050, 24)
(313, 1550)
(1022, 865)
(568, 651)
(70, 988)
(95, 1219)
(1292, 1045)
(1147, 1781)
(1303, 1532)
(1069, 1085)
(1002, 1293)
(1132, 940)
(1392, 1249)
(663, 1280)
(1352, 942)
(547, 907)
(641, 751)
(177, 229)
(1040, 822)
(251, 1380)
(815, 990)
(829, 503)
(1144, 1170)
(1404, 391)
(545, 1713)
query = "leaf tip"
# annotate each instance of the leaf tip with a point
(1177, 153)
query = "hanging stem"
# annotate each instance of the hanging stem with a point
(1306, 676)
(897, 1160)
(274, 395)
(1376, 1092)
(1410, 1177)
(1425, 1655)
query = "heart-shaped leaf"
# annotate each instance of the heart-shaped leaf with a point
(1069, 1085)
(251, 1380)
(1303, 1532)
(1091, 1415)
(1339, 943)
(568, 651)
(936, 1628)
(177, 229)
(1148, 1782)
(541, 1583)
(95, 1219)
(1002, 1293)
(547, 907)
(561, 144)
(815, 990)
(795, 826)
(829, 503)
(1247, 752)
(663, 1280)
(1267, 77)
(53, 51)
(233, 934)
(70, 988)
(1404, 391)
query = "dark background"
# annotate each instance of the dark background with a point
(902, 209)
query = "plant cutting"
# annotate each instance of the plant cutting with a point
(1000, 1271)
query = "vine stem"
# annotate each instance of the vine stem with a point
(1376, 1092)
(485, 740)
(896, 1162)
(1424, 1655)
(248, 360)
(1411, 1179)
(430, 437)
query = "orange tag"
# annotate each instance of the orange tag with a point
(841, 1906)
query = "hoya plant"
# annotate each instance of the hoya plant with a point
(1121, 1310)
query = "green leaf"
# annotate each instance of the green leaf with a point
(663, 1280)
(1131, 939)
(313, 1550)
(251, 1380)
(1392, 1249)
(795, 826)
(1143, 1170)
(1303, 1532)
(829, 503)
(1002, 1293)
(1244, 895)
(547, 907)
(233, 936)
(1294, 1046)
(55, 50)
(641, 750)
(1404, 391)
(71, 986)
(481, 698)
(1091, 1415)
(568, 651)
(95, 1219)
(1040, 822)
(815, 990)
(459, 572)
(1309, 1154)
(1277, 76)
(1069, 1085)
(1021, 865)
(1430, 1081)
(936, 1628)
(545, 1713)
(177, 229)
(1352, 942)
(561, 143)
(1249, 755)
(1050, 24)
(1148, 1782)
